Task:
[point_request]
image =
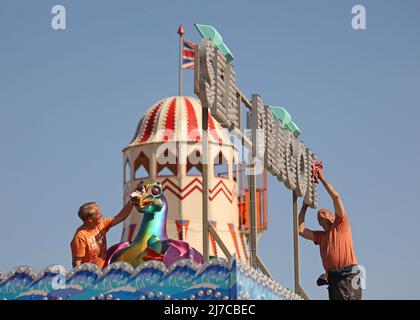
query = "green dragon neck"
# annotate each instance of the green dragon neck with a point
(153, 224)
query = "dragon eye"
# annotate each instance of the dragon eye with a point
(141, 189)
(156, 191)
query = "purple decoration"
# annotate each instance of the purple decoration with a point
(196, 256)
(111, 252)
(178, 250)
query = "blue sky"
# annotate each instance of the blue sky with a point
(70, 101)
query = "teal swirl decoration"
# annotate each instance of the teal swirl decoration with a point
(16, 282)
(149, 274)
(215, 272)
(218, 279)
(114, 276)
(83, 276)
(51, 278)
(181, 274)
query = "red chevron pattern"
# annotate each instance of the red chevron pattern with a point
(221, 187)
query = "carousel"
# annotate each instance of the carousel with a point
(166, 151)
(193, 231)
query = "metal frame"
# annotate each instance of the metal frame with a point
(205, 195)
(298, 287)
(253, 219)
(255, 262)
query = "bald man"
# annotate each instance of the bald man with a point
(336, 247)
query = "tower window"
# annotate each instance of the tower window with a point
(141, 166)
(127, 171)
(167, 164)
(194, 166)
(221, 168)
(234, 170)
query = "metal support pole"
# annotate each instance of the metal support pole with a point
(180, 67)
(252, 213)
(205, 161)
(219, 241)
(252, 193)
(296, 242)
(263, 268)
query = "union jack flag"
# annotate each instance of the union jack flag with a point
(187, 54)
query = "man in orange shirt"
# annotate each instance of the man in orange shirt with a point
(89, 241)
(336, 247)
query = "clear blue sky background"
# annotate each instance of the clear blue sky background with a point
(70, 101)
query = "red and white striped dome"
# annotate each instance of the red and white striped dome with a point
(176, 119)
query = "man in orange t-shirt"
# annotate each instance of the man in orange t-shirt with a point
(336, 247)
(89, 241)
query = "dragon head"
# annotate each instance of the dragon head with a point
(148, 197)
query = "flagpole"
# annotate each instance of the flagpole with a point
(180, 32)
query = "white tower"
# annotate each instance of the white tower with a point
(167, 148)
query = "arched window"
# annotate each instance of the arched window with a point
(194, 166)
(221, 168)
(127, 171)
(141, 166)
(167, 164)
(234, 170)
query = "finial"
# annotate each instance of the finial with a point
(181, 30)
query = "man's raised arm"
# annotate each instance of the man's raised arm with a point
(124, 213)
(335, 196)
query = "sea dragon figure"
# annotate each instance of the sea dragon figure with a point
(152, 242)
